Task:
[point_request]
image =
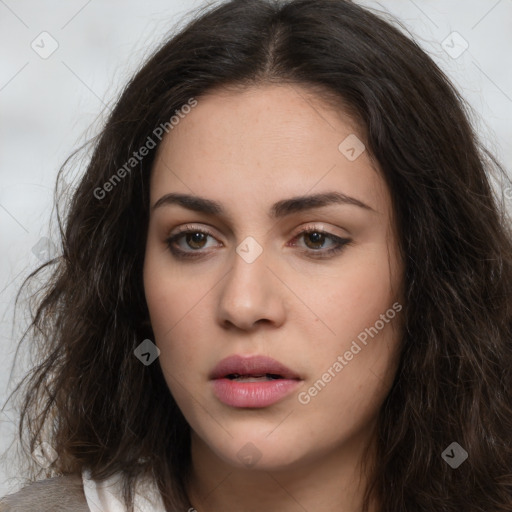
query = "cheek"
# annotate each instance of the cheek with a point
(170, 295)
(174, 335)
(351, 307)
(353, 371)
(173, 302)
(355, 297)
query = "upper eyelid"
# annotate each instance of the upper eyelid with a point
(311, 226)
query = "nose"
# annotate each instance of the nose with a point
(251, 293)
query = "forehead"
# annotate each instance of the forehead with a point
(263, 143)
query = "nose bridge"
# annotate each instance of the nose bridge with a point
(249, 274)
(250, 291)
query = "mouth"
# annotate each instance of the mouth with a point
(252, 382)
(252, 368)
(253, 378)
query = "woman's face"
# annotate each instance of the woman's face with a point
(324, 304)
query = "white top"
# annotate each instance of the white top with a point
(106, 496)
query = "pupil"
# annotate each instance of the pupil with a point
(316, 237)
(197, 237)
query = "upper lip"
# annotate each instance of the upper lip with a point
(251, 365)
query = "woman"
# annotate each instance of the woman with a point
(341, 337)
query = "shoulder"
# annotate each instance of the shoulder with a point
(59, 494)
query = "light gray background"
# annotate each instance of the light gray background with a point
(49, 106)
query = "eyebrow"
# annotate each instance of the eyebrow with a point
(279, 209)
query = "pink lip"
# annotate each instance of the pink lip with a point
(252, 394)
(251, 365)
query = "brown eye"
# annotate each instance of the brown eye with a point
(314, 240)
(190, 242)
(195, 240)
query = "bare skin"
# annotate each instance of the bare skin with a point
(248, 150)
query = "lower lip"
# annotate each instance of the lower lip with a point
(253, 394)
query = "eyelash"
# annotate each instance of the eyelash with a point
(341, 243)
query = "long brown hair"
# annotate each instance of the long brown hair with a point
(99, 408)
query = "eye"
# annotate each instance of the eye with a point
(316, 237)
(195, 238)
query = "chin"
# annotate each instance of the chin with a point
(260, 453)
